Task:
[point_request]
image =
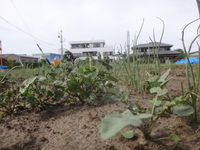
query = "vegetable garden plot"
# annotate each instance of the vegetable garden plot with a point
(72, 126)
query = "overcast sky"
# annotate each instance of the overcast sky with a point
(82, 20)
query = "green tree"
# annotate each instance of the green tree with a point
(181, 56)
(68, 56)
(8, 62)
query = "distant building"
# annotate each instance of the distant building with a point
(51, 56)
(64, 49)
(83, 49)
(149, 49)
(23, 58)
(194, 54)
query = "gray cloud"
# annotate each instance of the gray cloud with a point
(92, 19)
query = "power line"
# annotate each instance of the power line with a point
(21, 16)
(24, 31)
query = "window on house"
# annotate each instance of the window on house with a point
(107, 53)
(73, 46)
(148, 50)
(93, 53)
(162, 49)
(77, 54)
(87, 45)
(96, 45)
(81, 46)
(144, 50)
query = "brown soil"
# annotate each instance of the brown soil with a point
(75, 127)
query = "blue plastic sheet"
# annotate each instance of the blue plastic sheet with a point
(3, 67)
(193, 60)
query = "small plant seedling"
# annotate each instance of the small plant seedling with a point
(173, 137)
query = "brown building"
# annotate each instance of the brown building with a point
(163, 50)
(22, 58)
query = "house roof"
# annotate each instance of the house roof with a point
(171, 53)
(153, 44)
(7, 55)
(86, 42)
(196, 52)
(40, 54)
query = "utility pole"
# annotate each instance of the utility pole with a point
(128, 42)
(61, 42)
(1, 59)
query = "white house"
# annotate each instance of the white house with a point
(83, 49)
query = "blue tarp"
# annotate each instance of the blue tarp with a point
(193, 60)
(3, 67)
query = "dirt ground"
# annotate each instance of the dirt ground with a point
(75, 127)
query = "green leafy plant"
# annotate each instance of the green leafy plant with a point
(37, 93)
(9, 95)
(142, 118)
(10, 102)
(114, 123)
(180, 105)
(78, 82)
(87, 84)
(193, 81)
(158, 81)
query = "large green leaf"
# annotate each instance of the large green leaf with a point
(164, 76)
(152, 101)
(111, 78)
(32, 100)
(124, 97)
(128, 134)
(41, 78)
(165, 82)
(51, 74)
(114, 123)
(169, 104)
(58, 94)
(27, 83)
(155, 89)
(159, 91)
(183, 110)
(153, 79)
(180, 99)
(59, 84)
(162, 92)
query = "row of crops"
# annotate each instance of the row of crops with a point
(79, 82)
(93, 82)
